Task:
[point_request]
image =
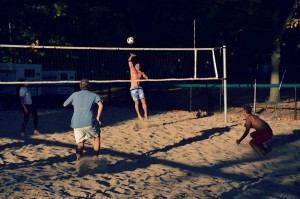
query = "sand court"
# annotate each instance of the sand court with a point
(173, 155)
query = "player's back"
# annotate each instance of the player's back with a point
(258, 124)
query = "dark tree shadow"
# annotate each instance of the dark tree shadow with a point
(132, 161)
(280, 140)
(54, 121)
(205, 135)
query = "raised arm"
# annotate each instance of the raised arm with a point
(130, 64)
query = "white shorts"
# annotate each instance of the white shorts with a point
(82, 134)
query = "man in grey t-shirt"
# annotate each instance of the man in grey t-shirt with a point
(85, 122)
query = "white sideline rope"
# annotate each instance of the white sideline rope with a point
(107, 81)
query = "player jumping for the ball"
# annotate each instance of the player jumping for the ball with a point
(137, 92)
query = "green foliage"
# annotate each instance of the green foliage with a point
(60, 9)
(245, 26)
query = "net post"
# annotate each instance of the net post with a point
(225, 83)
(254, 100)
(195, 63)
(214, 61)
(295, 110)
(194, 33)
(191, 97)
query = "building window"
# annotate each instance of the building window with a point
(63, 76)
(29, 73)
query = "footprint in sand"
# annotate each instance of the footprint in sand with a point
(88, 165)
(137, 125)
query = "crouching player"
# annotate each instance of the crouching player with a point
(262, 133)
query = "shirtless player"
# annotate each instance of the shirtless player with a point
(262, 134)
(136, 91)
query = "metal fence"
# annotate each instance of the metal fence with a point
(190, 97)
(286, 107)
(210, 97)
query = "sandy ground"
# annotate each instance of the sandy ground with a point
(173, 155)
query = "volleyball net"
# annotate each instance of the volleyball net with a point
(55, 69)
(61, 64)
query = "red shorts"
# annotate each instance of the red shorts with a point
(260, 137)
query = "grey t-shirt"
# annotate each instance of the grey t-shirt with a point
(84, 103)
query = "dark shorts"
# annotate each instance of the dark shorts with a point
(260, 137)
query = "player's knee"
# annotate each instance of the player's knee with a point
(251, 142)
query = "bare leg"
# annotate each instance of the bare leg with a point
(79, 150)
(137, 109)
(144, 105)
(258, 148)
(36, 132)
(35, 121)
(262, 149)
(97, 144)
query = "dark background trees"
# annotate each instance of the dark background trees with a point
(257, 33)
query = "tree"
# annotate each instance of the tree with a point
(260, 27)
(251, 29)
(279, 30)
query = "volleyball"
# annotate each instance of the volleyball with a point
(130, 40)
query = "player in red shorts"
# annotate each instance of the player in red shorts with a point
(262, 134)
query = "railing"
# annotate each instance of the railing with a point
(257, 95)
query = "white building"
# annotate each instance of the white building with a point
(15, 72)
(62, 89)
(33, 72)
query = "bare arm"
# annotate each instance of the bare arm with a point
(243, 136)
(144, 75)
(100, 108)
(246, 132)
(131, 66)
(22, 104)
(65, 105)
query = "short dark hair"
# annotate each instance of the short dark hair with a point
(84, 84)
(23, 80)
(248, 109)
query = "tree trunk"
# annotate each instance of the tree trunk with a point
(275, 58)
(276, 54)
(275, 62)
